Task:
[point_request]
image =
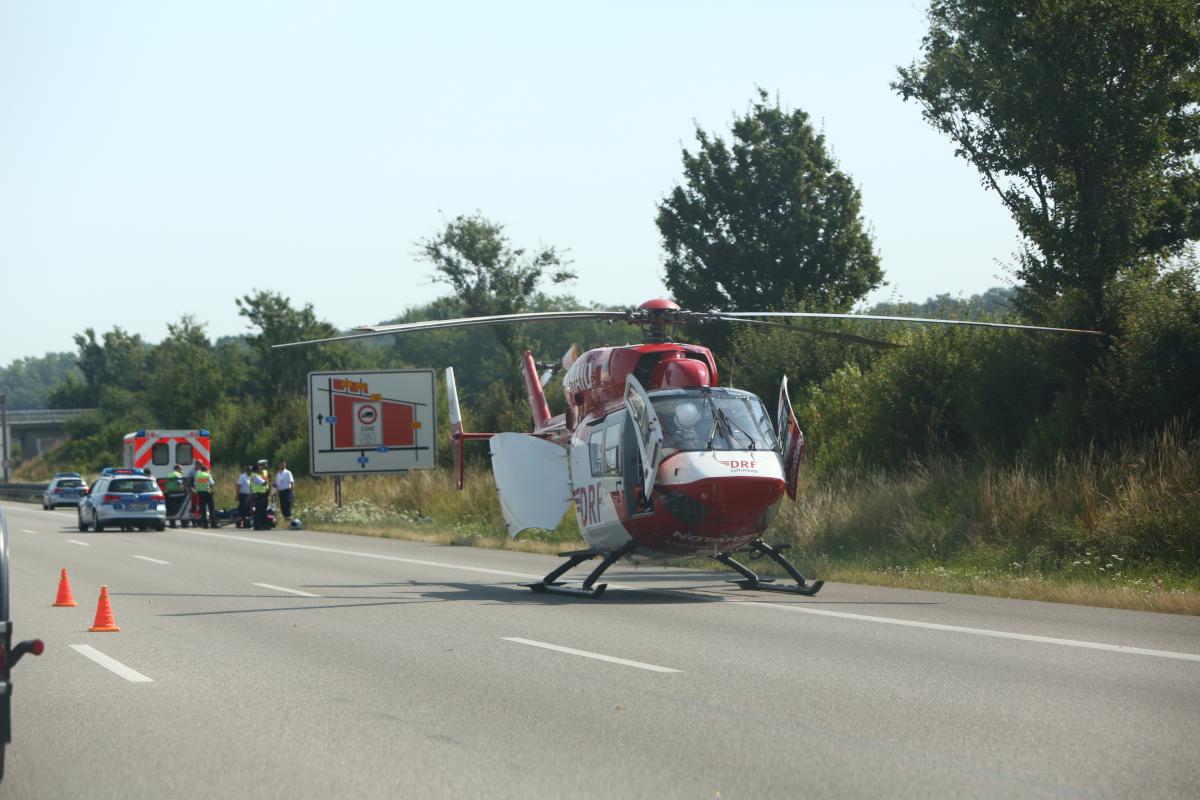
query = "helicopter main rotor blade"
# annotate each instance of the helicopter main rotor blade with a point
(845, 337)
(463, 322)
(921, 320)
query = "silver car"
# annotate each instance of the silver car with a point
(123, 498)
(64, 490)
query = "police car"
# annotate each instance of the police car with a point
(123, 497)
(64, 490)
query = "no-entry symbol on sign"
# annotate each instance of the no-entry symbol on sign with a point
(367, 430)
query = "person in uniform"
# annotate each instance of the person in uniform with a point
(259, 487)
(283, 489)
(204, 491)
(177, 493)
(243, 492)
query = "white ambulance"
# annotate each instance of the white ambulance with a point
(160, 451)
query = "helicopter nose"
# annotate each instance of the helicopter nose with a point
(735, 504)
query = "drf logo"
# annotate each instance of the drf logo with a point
(587, 504)
(741, 465)
(580, 377)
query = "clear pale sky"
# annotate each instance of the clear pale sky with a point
(160, 159)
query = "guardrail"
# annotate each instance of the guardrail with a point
(43, 416)
(22, 492)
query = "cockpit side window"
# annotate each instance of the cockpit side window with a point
(612, 447)
(596, 449)
(604, 447)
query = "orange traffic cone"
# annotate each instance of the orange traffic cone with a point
(104, 616)
(65, 598)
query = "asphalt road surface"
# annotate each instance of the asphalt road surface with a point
(305, 664)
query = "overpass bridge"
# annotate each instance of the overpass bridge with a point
(34, 431)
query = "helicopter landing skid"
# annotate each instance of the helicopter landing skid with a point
(551, 585)
(759, 548)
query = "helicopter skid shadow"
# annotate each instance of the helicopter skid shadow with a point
(519, 594)
(414, 592)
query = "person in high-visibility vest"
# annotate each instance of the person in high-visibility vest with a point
(258, 491)
(204, 491)
(176, 492)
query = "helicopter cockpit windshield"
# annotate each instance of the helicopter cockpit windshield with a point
(713, 419)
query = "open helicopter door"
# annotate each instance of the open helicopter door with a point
(532, 481)
(646, 431)
(791, 439)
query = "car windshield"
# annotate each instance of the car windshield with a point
(129, 485)
(70, 483)
(713, 419)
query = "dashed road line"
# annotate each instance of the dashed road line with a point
(76, 541)
(598, 656)
(819, 612)
(153, 560)
(111, 664)
(275, 588)
(26, 530)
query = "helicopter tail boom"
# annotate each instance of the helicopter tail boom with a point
(537, 397)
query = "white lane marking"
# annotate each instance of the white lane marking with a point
(1025, 637)
(109, 663)
(275, 588)
(599, 657)
(76, 541)
(26, 530)
(153, 560)
(376, 556)
(863, 617)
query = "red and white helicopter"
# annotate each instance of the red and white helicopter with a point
(659, 460)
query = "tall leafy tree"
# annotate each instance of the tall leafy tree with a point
(281, 373)
(115, 360)
(186, 378)
(1082, 116)
(767, 217)
(488, 275)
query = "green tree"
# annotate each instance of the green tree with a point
(28, 381)
(186, 377)
(1082, 116)
(1151, 375)
(116, 360)
(488, 275)
(769, 217)
(282, 373)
